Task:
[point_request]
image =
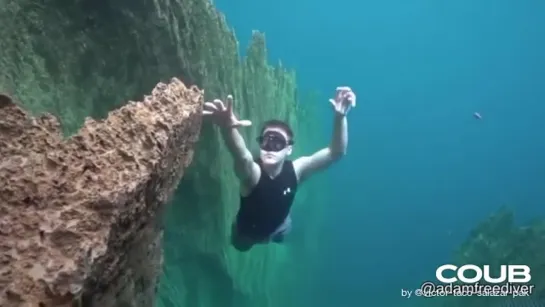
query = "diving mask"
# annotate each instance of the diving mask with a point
(273, 141)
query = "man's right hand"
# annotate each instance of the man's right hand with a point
(222, 114)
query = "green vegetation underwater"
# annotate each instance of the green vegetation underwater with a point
(446, 154)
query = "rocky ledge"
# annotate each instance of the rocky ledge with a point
(79, 217)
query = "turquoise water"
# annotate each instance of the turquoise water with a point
(421, 171)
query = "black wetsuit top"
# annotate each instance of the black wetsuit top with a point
(268, 204)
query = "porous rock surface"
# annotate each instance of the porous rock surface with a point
(79, 217)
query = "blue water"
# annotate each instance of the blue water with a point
(420, 171)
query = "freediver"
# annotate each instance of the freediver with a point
(269, 183)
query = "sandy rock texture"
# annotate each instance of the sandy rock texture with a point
(80, 217)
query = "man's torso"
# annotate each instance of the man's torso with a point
(268, 204)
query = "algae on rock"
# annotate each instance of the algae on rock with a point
(85, 57)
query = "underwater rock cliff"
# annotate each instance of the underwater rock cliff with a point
(79, 218)
(495, 241)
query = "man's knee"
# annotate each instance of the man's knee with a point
(240, 243)
(278, 238)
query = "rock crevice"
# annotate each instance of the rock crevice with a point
(79, 216)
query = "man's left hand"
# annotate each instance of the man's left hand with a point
(344, 100)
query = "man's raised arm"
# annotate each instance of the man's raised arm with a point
(308, 165)
(245, 168)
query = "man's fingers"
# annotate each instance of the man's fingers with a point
(349, 97)
(352, 98)
(210, 106)
(230, 103)
(344, 88)
(342, 91)
(346, 93)
(205, 113)
(337, 95)
(219, 104)
(333, 103)
(243, 123)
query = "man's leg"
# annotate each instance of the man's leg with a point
(239, 241)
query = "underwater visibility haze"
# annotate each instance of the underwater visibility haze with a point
(445, 160)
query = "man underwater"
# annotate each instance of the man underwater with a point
(268, 184)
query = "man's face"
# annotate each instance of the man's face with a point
(274, 146)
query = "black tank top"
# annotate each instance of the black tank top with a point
(268, 204)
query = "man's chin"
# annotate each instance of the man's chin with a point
(269, 160)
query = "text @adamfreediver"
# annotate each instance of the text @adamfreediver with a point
(430, 289)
